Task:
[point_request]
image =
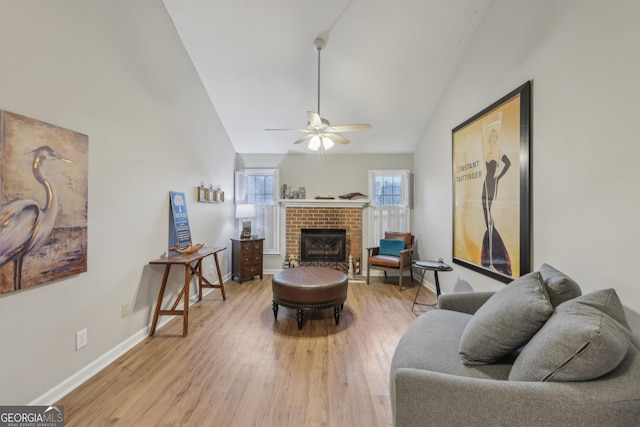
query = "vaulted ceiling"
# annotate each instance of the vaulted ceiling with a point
(386, 63)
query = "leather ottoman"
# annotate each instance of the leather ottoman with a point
(308, 288)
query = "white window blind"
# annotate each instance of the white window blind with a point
(389, 207)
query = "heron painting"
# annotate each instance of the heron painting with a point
(43, 202)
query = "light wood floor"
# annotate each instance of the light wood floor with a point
(239, 367)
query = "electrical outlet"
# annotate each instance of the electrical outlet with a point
(81, 339)
(125, 310)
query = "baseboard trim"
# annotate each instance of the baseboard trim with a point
(74, 381)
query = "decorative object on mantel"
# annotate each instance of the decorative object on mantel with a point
(324, 197)
(209, 195)
(288, 192)
(352, 196)
(188, 250)
(324, 203)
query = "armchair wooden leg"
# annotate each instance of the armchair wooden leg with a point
(400, 279)
(368, 274)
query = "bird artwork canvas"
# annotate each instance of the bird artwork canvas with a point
(43, 202)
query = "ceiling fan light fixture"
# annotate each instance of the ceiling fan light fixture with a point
(327, 142)
(314, 143)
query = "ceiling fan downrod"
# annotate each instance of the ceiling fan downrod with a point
(319, 44)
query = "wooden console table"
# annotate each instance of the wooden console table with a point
(193, 267)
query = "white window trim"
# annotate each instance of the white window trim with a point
(380, 214)
(272, 242)
(404, 174)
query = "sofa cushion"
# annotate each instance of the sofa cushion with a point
(391, 247)
(431, 343)
(560, 287)
(506, 321)
(584, 339)
(406, 237)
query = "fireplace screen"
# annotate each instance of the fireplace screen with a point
(323, 245)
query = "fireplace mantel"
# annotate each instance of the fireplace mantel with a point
(324, 203)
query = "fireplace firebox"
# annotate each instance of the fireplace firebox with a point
(323, 245)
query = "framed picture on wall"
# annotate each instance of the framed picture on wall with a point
(212, 195)
(43, 202)
(491, 188)
(202, 194)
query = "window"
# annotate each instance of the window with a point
(389, 187)
(258, 187)
(389, 208)
(387, 190)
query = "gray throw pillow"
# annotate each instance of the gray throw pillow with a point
(506, 321)
(584, 339)
(560, 287)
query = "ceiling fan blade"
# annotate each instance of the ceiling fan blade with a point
(314, 120)
(304, 138)
(293, 130)
(349, 128)
(337, 138)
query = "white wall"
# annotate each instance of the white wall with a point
(117, 72)
(582, 56)
(333, 174)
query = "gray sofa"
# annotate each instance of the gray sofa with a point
(434, 382)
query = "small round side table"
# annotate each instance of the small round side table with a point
(434, 266)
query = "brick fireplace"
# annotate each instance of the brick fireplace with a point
(328, 215)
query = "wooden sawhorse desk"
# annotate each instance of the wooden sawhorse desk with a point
(191, 270)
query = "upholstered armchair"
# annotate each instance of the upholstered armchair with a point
(393, 254)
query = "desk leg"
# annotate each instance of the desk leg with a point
(199, 266)
(184, 296)
(185, 291)
(215, 256)
(160, 297)
(204, 283)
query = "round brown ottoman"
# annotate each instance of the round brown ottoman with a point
(309, 287)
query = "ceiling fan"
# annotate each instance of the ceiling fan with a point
(319, 132)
